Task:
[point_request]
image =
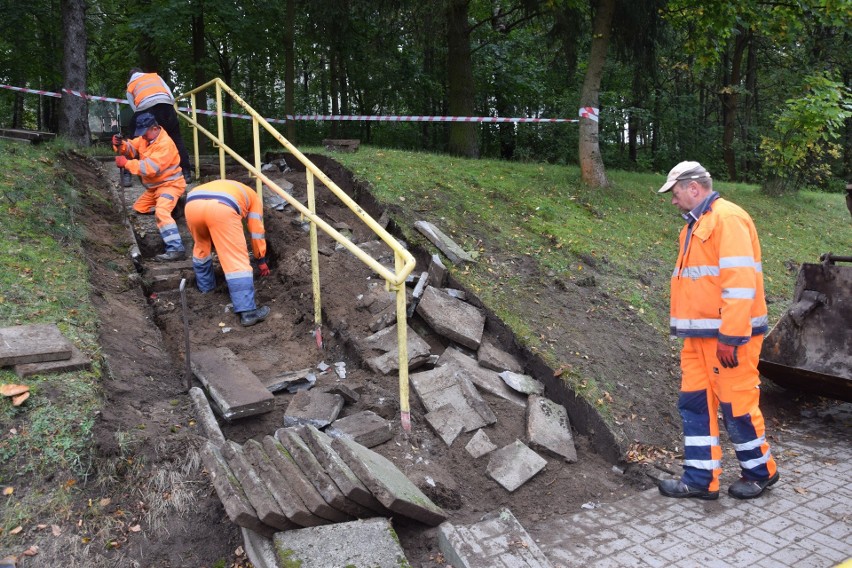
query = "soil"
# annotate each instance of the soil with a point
(157, 506)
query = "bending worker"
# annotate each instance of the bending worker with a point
(152, 156)
(718, 308)
(214, 212)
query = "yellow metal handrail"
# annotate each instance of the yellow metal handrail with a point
(403, 260)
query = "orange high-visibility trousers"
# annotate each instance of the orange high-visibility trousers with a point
(161, 202)
(705, 387)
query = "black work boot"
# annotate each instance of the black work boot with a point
(749, 489)
(252, 317)
(126, 180)
(677, 488)
(171, 256)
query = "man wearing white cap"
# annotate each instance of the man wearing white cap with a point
(719, 310)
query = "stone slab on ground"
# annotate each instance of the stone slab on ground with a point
(446, 422)
(79, 361)
(443, 386)
(236, 504)
(549, 430)
(492, 357)
(316, 408)
(236, 391)
(205, 417)
(298, 482)
(485, 379)
(480, 444)
(513, 465)
(388, 484)
(437, 272)
(524, 384)
(445, 244)
(366, 427)
(291, 381)
(496, 540)
(452, 318)
(387, 342)
(32, 343)
(370, 542)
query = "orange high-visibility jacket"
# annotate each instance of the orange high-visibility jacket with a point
(157, 163)
(717, 283)
(244, 201)
(146, 90)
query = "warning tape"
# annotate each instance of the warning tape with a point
(590, 112)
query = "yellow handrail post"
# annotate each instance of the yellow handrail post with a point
(220, 123)
(255, 132)
(312, 207)
(195, 137)
(402, 339)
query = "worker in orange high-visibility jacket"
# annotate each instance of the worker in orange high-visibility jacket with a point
(147, 92)
(718, 308)
(214, 213)
(152, 156)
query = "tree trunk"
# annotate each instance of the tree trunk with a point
(591, 164)
(198, 53)
(460, 86)
(74, 110)
(290, 69)
(730, 101)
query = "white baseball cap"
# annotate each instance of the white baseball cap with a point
(683, 171)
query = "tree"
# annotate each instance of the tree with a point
(460, 87)
(74, 109)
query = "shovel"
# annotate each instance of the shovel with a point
(188, 370)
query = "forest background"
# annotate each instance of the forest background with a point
(757, 91)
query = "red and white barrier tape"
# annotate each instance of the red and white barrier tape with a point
(590, 112)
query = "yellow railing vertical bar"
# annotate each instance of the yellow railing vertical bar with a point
(255, 132)
(195, 137)
(315, 276)
(221, 125)
(402, 339)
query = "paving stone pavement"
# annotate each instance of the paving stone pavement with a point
(805, 520)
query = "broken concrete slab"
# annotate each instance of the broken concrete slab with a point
(237, 506)
(437, 271)
(483, 378)
(255, 489)
(299, 483)
(513, 465)
(313, 407)
(79, 361)
(492, 357)
(291, 381)
(236, 391)
(366, 427)
(386, 341)
(349, 394)
(549, 430)
(315, 473)
(480, 444)
(370, 542)
(446, 422)
(205, 417)
(278, 485)
(524, 384)
(340, 473)
(388, 484)
(498, 539)
(445, 244)
(446, 386)
(376, 299)
(452, 318)
(32, 343)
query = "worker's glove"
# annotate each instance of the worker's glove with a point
(263, 267)
(116, 141)
(120, 161)
(727, 355)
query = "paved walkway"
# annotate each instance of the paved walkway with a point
(805, 520)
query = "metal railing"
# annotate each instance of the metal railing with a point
(403, 260)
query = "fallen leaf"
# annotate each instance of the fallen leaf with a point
(105, 501)
(8, 490)
(19, 400)
(40, 527)
(55, 530)
(11, 389)
(31, 551)
(16, 530)
(85, 540)
(135, 528)
(800, 490)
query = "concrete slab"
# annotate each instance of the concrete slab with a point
(340, 473)
(255, 489)
(386, 341)
(513, 465)
(366, 427)
(445, 244)
(237, 506)
(316, 408)
(32, 343)
(349, 394)
(315, 473)
(497, 540)
(480, 445)
(446, 386)
(446, 422)
(205, 417)
(371, 542)
(549, 430)
(492, 357)
(437, 271)
(291, 381)
(376, 299)
(301, 486)
(483, 378)
(388, 484)
(236, 391)
(278, 485)
(79, 361)
(452, 318)
(524, 384)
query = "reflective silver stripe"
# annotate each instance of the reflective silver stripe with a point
(255, 216)
(760, 321)
(750, 445)
(758, 266)
(235, 275)
(751, 464)
(701, 441)
(696, 323)
(703, 464)
(699, 271)
(202, 260)
(674, 272)
(738, 293)
(172, 238)
(736, 262)
(258, 236)
(149, 164)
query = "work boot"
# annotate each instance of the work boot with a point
(677, 488)
(252, 317)
(171, 256)
(749, 488)
(126, 180)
